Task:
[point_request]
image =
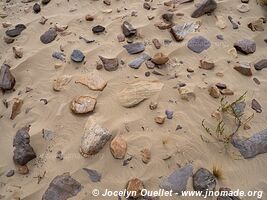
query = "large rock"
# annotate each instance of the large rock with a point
(261, 64)
(82, 104)
(94, 138)
(134, 48)
(204, 180)
(180, 31)
(118, 147)
(128, 30)
(7, 80)
(207, 6)
(253, 146)
(160, 58)
(16, 31)
(198, 44)
(245, 46)
(62, 187)
(137, 92)
(49, 36)
(92, 80)
(136, 63)
(110, 64)
(177, 181)
(243, 68)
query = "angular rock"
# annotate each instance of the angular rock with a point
(206, 64)
(118, 147)
(62, 187)
(261, 64)
(110, 64)
(220, 22)
(82, 104)
(43, 20)
(146, 6)
(177, 181)
(256, 25)
(94, 138)
(227, 197)
(60, 28)
(136, 63)
(36, 8)
(16, 31)
(89, 17)
(245, 46)
(134, 48)
(60, 82)
(253, 146)
(98, 29)
(204, 180)
(137, 92)
(187, 93)
(159, 119)
(18, 51)
(8, 40)
(59, 55)
(77, 56)
(146, 155)
(44, 2)
(198, 44)
(16, 108)
(255, 105)
(134, 187)
(163, 25)
(93, 81)
(7, 80)
(243, 68)
(93, 175)
(160, 58)
(243, 7)
(150, 64)
(128, 30)
(10, 173)
(214, 92)
(180, 31)
(207, 6)
(49, 36)
(167, 17)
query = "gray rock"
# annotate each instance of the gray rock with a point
(136, 63)
(36, 8)
(261, 64)
(177, 181)
(110, 64)
(59, 55)
(49, 36)
(180, 31)
(245, 46)
(7, 80)
(207, 6)
(44, 2)
(98, 29)
(204, 180)
(128, 30)
(169, 114)
(134, 48)
(198, 44)
(93, 175)
(15, 31)
(234, 24)
(167, 17)
(10, 173)
(253, 146)
(77, 56)
(62, 187)
(255, 105)
(219, 37)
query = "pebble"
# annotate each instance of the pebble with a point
(36, 8)
(255, 105)
(221, 23)
(10, 173)
(226, 92)
(60, 82)
(59, 155)
(187, 93)
(234, 24)
(121, 38)
(243, 8)
(168, 17)
(128, 30)
(243, 68)
(134, 187)
(92, 80)
(49, 36)
(214, 92)
(180, 31)
(207, 6)
(7, 80)
(59, 55)
(220, 37)
(6, 24)
(245, 46)
(150, 64)
(118, 147)
(256, 81)
(110, 64)
(16, 31)
(43, 20)
(169, 114)
(159, 119)
(163, 25)
(48, 134)
(204, 180)
(160, 58)
(89, 17)
(45, 2)
(198, 44)
(16, 108)
(82, 104)
(261, 64)
(146, 6)
(60, 28)
(146, 155)
(256, 25)
(136, 63)
(206, 64)
(134, 48)
(18, 51)
(94, 175)
(156, 43)
(153, 105)
(23, 170)
(98, 29)
(221, 86)
(77, 56)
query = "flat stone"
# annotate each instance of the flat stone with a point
(168, 17)
(207, 6)
(128, 30)
(243, 68)
(49, 36)
(77, 56)
(60, 82)
(118, 147)
(136, 63)
(62, 187)
(160, 58)
(243, 7)
(134, 48)
(261, 64)
(255, 105)
(16, 31)
(206, 64)
(256, 25)
(110, 64)
(226, 92)
(234, 24)
(93, 81)
(98, 29)
(82, 104)
(220, 37)
(221, 86)
(18, 51)
(177, 181)
(180, 31)
(204, 180)
(245, 46)
(7, 80)
(198, 44)
(134, 187)
(94, 138)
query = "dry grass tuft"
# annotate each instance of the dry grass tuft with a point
(217, 172)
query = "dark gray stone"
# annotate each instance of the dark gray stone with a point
(234, 24)
(169, 114)
(245, 46)
(167, 17)
(204, 180)
(207, 6)
(261, 64)
(7, 80)
(49, 36)
(15, 31)
(93, 175)
(198, 44)
(128, 30)
(255, 105)
(98, 29)
(219, 37)
(77, 56)
(59, 55)
(134, 48)
(136, 63)
(36, 8)
(44, 2)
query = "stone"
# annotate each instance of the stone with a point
(10, 173)
(221, 86)
(256, 25)
(228, 192)
(121, 38)
(255, 105)
(204, 180)
(6, 24)
(177, 180)
(60, 82)
(16, 108)
(7, 80)
(118, 147)
(136, 63)
(156, 43)
(98, 29)
(94, 138)
(36, 8)
(59, 55)
(16, 31)
(214, 92)
(45, 2)
(180, 31)
(128, 30)
(49, 36)
(206, 64)
(227, 92)
(82, 104)
(243, 68)
(8, 40)
(153, 105)
(18, 51)
(146, 6)
(77, 56)
(134, 187)
(60, 27)
(110, 64)
(62, 187)
(198, 44)
(187, 93)
(163, 25)
(245, 46)
(257, 81)
(43, 20)
(232, 52)
(89, 17)
(207, 6)
(243, 7)
(169, 114)
(94, 175)
(59, 155)
(253, 146)
(23, 169)
(160, 58)
(138, 91)
(159, 119)
(220, 37)
(134, 48)
(146, 155)
(234, 24)
(150, 64)
(261, 64)
(220, 22)
(168, 17)
(48, 134)
(93, 81)
(107, 2)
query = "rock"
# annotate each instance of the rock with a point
(146, 6)
(59, 55)
(23, 169)
(180, 31)
(228, 193)
(220, 37)
(244, 1)
(227, 92)
(220, 22)
(177, 181)
(153, 105)
(221, 86)
(169, 114)
(136, 63)
(36, 8)
(8, 40)
(150, 64)
(253, 146)
(49, 36)
(43, 20)
(23, 152)
(59, 155)
(93, 81)
(110, 64)
(204, 180)
(214, 92)
(94, 175)
(121, 38)
(118, 147)
(7, 80)
(198, 44)
(257, 81)
(82, 104)
(89, 17)
(48, 134)
(62, 187)
(10, 173)
(134, 48)
(146, 155)
(159, 119)
(207, 6)
(107, 2)
(156, 43)
(245, 46)
(243, 7)
(137, 92)
(256, 25)
(77, 56)
(60, 28)
(187, 93)
(6, 24)
(16, 108)
(234, 24)
(16, 31)
(60, 82)
(44, 2)
(128, 30)
(206, 64)
(255, 105)
(243, 68)
(18, 51)
(94, 138)
(261, 64)
(160, 58)
(134, 187)
(98, 29)
(232, 52)
(167, 17)
(163, 25)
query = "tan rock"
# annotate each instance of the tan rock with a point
(8, 40)
(146, 155)
(187, 93)
(216, 115)
(206, 64)
(153, 105)
(214, 91)
(163, 25)
(118, 147)
(233, 52)
(92, 80)
(160, 58)
(60, 82)
(220, 22)
(134, 187)
(82, 104)
(89, 17)
(22, 169)
(6, 24)
(43, 20)
(18, 52)
(60, 28)
(159, 119)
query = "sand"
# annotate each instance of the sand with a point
(36, 69)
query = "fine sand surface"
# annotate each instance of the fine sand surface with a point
(36, 69)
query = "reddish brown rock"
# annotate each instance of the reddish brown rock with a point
(82, 104)
(214, 92)
(160, 58)
(134, 187)
(118, 147)
(243, 68)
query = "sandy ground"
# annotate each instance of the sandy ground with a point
(36, 70)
